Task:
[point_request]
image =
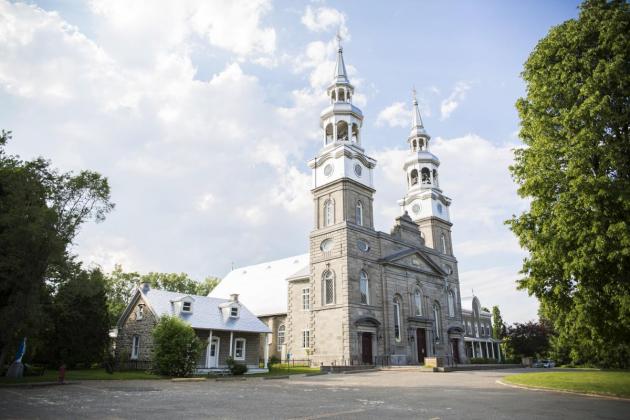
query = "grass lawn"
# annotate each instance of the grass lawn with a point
(615, 383)
(277, 370)
(81, 375)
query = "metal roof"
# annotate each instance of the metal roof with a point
(206, 313)
(262, 287)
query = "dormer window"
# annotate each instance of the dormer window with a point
(186, 306)
(234, 312)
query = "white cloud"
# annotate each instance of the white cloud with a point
(395, 115)
(323, 19)
(452, 102)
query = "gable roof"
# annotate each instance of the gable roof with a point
(393, 258)
(263, 287)
(206, 311)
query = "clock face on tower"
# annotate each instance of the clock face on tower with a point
(416, 208)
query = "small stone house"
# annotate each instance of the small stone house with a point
(225, 326)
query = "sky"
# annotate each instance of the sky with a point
(203, 114)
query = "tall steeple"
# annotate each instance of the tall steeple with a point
(341, 159)
(341, 76)
(424, 200)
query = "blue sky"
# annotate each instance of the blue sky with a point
(203, 115)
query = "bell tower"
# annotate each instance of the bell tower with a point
(425, 202)
(342, 162)
(343, 194)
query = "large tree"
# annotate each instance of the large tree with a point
(575, 171)
(80, 319)
(41, 210)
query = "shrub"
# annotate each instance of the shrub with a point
(481, 361)
(236, 368)
(176, 347)
(273, 360)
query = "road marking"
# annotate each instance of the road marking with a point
(323, 416)
(14, 392)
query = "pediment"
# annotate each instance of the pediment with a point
(416, 260)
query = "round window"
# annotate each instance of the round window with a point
(416, 208)
(326, 245)
(358, 169)
(328, 170)
(363, 245)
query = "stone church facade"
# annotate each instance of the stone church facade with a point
(360, 295)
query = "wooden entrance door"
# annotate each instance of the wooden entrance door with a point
(455, 347)
(366, 348)
(421, 343)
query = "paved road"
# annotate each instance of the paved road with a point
(375, 395)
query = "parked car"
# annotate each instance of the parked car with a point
(538, 364)
(549, 364)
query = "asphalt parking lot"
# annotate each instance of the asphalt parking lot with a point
(374, 395)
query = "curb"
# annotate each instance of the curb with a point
(230, 379)
(37, 384)
(188, 379)
(561, 391)
(350, 372)
(269, 378)
(316, 374)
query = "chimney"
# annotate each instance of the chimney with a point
(234, 297)
(145, 287)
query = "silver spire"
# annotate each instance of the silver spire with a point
(417, 119)
(417, 127)
(341, 76)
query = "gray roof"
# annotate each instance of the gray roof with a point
(206, 313)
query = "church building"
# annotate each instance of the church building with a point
(360, 295)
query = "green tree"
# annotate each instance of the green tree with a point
(41, 211)
(498, 326)
(176, 347)
(80, 318)
(527, 340)
(207, 285)
(575, 171)
(119, 286)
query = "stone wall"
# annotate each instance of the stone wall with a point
(133, 326)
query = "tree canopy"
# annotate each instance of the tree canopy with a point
(575, 171)
(41, 210)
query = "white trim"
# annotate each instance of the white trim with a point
(231, 342)
(244, 347)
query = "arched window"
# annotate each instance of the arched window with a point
(280, 340)
(414, 177)
(426, 176)
(451, 303)
(329, 213)
(329, 133)
(413, 145)
(397, 327)
(417, 302)
(421, 144)
(333, 95)
(359, 213)
(355, 132)
(342, 95)
(329, 287)
(435, 177)
(342, 131)
(443, 243)
(364, 287)
(438, 320)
